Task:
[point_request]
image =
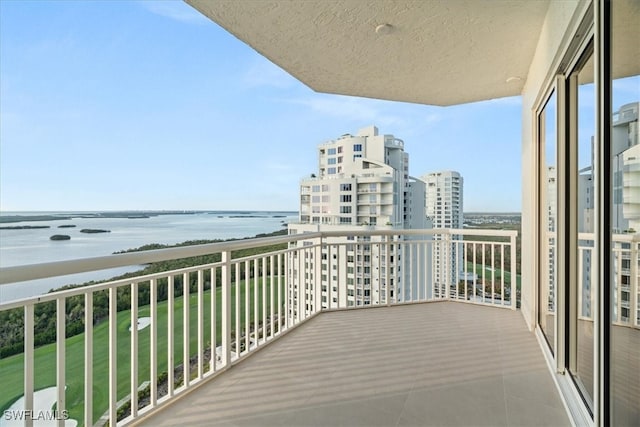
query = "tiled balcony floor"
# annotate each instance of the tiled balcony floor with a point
(439, 364)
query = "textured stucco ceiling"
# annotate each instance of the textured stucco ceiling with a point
(438, 52)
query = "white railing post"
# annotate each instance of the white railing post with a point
(633, 283)
(387, 276)
(28, 362)
(60, 357)
(113, 355)
(317, 279)
(88, 359)
(214, 314)
(514, 273)
(186, 300)
(134, 349)
(153, 334)
(226, 308)
(170, 334)
(200, 318)
(447, 264)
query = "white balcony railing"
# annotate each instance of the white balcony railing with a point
(140, 342)
(625, 279)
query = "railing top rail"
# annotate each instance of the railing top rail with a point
(422, 232)
(23, 273)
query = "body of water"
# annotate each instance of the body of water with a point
(33, 246)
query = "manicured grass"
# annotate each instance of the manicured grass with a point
(480, 269)
(12, 368)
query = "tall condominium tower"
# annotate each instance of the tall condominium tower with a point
(362, 183)
(444, 207)
(625, 218)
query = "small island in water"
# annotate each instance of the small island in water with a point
(60, 237)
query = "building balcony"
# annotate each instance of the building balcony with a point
(392, 366)
(454, 353)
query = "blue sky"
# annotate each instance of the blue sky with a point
(148, 105)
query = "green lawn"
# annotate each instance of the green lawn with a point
(12, 368)
(480, 269)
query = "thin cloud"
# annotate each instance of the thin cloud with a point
(350, 108)
(265, 73)
(176, 10)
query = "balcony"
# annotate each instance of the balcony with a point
(453, 352)
(386, 369)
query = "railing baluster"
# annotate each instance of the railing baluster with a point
(186, 301)
(264, 299)
(134, 349)
(214, 320)
(280, 292)
(634, 290)
(88, 358)
(484, 274)
(237, 329)
(170, 334)
(60, 357)
(502, 275)
(493, 275)
(200, 318)
(153, 342)
(474, 268)
(339, 261)
(226, 308)
(514, 272)
(247, 308)
(271, 285)
(113, 354)
(255, 302)
(28, 361)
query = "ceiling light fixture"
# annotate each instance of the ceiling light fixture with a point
(514, 79)
(384, 29)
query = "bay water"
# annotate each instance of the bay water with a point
(33, 246)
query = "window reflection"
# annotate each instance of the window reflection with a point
(625, 215)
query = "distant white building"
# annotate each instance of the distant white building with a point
(625, 162)
(362, 183)
(444, 208)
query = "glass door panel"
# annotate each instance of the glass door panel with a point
(625, 215)
(581, 342)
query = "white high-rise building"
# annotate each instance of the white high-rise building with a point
(625, 143)
(362, 183)
(444, 207)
